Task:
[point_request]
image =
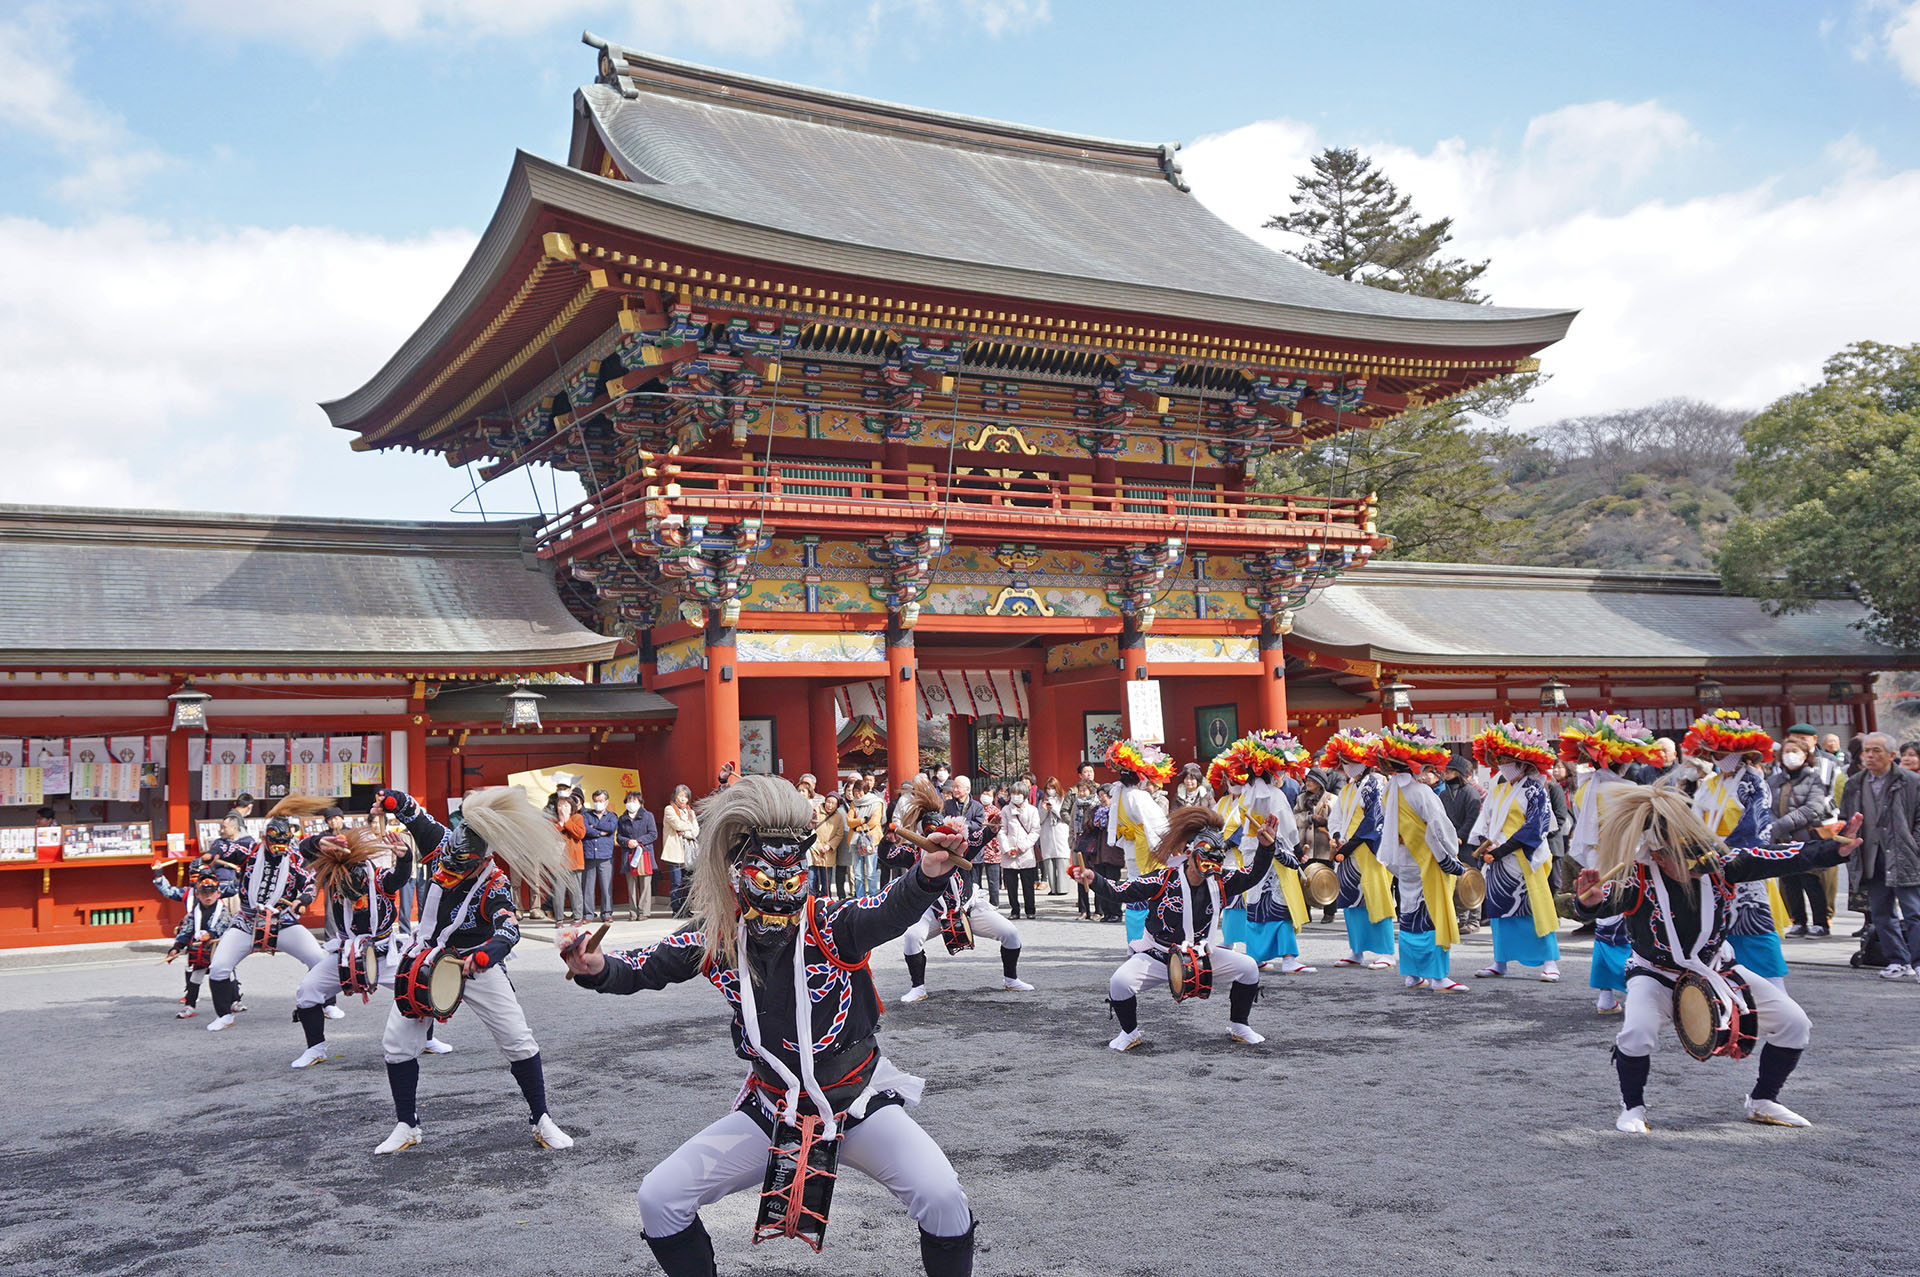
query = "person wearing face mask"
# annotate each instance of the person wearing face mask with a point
(1662, 870)
(1355, 819)
(1610, 744)
(597, 851)
(1264, 922)
(1511, 836)
(1461, 797)
(1135, 823)
(635, 836)
(1733, 799)
(1801, 788)
(1419, 847)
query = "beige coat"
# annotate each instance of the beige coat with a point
(681, 837)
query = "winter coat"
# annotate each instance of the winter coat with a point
(600, 827)
(1801, 800)
(682, 838)
(1898, 852)
(1020, 835)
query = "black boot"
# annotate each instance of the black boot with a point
(948, 1256)
(689, 1252)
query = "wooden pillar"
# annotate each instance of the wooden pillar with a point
(960, 744)
(903, 709)
(417, 740)
(1133, 667)
(1105, 472)
(823, 749)
(1273, 679)
(722, 702)
(1043, 732)
(179, 787)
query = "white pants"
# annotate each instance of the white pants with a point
(985, 921)
(1650, 1005)
(237, 942)
(731, 1156)
(1142, 969)
(322, 980)
(491, 997)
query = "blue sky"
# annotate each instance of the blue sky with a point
(217, 213)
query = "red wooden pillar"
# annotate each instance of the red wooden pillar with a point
(960, 747)
(722, 703)
(903, 709)
(1043, 732)
(1133, 668)
(1273, 679)
(417, 742)
(179, 786)
(823, 747)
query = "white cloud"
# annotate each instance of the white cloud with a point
(1902, 35)
(1733, 297)
(37, 99)
(145, 367)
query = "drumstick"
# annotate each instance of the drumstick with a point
(593, 942)
(912, 839)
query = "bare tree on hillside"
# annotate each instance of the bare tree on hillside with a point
(1677, 438)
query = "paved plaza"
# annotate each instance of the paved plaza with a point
(1377, 1131)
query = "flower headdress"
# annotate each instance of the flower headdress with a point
(1349, 745)
(1413, 744)
(1726, 731)
(1608, 739)
(1146, 762)
(1510, 740)
(1260, 756)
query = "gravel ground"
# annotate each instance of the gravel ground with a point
(1377, 1131)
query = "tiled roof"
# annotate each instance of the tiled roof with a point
(138, 587)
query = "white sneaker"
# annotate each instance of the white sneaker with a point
(185, 1013)
(1016, 985)
(403, 1136)
(334, 1013)
(311, 1056)
(918, 993)
(220, 1022)
(547, 1134)
(1773, 1113)
(1126, 1041)
(1242, 1033)
(1633, 1121)
(435, 1046)
(1895, 972)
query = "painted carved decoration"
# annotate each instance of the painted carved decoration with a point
(906, 561)
(1138, 572)
(707, 562)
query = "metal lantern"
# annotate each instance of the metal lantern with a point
(523, 707)
(1707, 691)
(1841, 689)
(1553, 694)
(189, 708)
(1396, 696)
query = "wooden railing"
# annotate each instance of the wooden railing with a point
(747, 486)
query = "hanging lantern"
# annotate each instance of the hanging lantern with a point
(1396, 697)
(523, 707)
(1553, 694)
(1707, 691)
(189, 708)
(1841, 689)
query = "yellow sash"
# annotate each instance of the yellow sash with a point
(1723, 815)
(1376, 885)
(1145, 862)
(1233, 814)
(1546, 920)
(1348, 808)
(1436, 885)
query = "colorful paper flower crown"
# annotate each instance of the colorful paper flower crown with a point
(1144, 761)
(1413, 744)
(1725, 731)
(1260, 756)
(1608, 739)
(1510, 740)
(1349, 745)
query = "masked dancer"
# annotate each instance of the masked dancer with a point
(275, 889)
(468, 917)
(1264, 924)
(1607, 743)
(208, 886)
(963, 911)
(1183, 903)
(1510, 837)
(362, 906)
(819, 1091)
(1663, 870)
(1737, 805)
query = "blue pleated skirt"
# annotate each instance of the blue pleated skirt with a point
(1269, 940)
(1422, 956)
(1609, 967)
(1760, 953)
(1365, 935)
(1514, 941)
(1136, 922)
